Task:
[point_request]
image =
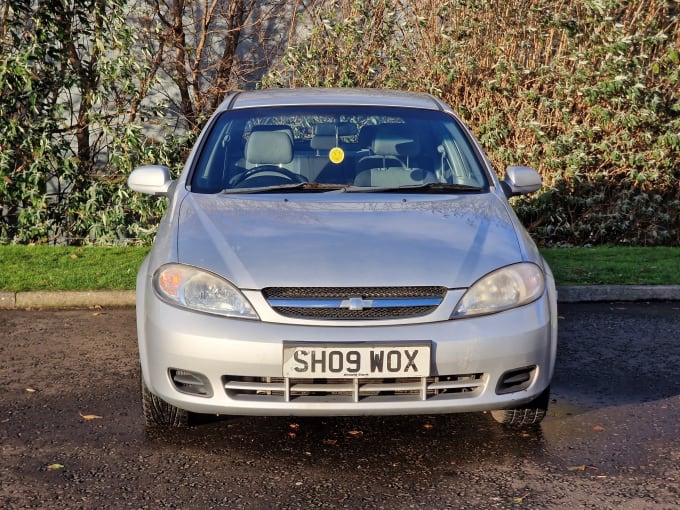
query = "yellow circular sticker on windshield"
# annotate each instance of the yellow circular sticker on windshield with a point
(336, 155)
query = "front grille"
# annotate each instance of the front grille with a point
(348, 292)
(354, 303)
(282, 389)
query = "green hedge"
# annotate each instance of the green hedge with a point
(585, 91)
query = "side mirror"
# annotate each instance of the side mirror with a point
(520, 180)
(150, 179)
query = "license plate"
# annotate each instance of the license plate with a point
(310, 360)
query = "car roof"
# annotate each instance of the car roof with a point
(331, 96)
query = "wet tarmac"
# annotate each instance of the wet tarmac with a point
(72, 435)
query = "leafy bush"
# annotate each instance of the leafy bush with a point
(586, 92)
(81, 97)
(67, 76)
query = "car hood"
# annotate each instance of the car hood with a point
(258, 241)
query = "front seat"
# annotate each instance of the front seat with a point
(266, 153)
(265, 147)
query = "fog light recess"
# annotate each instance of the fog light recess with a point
(515, 380)
(191, 383)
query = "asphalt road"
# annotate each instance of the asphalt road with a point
(72, 436)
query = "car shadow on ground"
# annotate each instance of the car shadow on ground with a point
(426, 441)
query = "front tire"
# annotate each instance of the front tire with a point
(158, 413)
(528, 415)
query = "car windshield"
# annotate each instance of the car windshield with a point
(322, 149)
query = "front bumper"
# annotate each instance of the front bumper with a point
(241, 361)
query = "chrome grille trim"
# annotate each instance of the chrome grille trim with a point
(279, 389)
(354, 303)
(347, 303)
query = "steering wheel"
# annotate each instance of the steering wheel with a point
(268, 169)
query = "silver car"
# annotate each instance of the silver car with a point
(342, 252)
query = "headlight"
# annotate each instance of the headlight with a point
(194, 288)
(505, 288)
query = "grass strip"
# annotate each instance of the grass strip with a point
(615, 265)
(53, 268)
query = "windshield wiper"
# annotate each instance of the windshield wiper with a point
(430, 187)
(288, 188)
(319, 187)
